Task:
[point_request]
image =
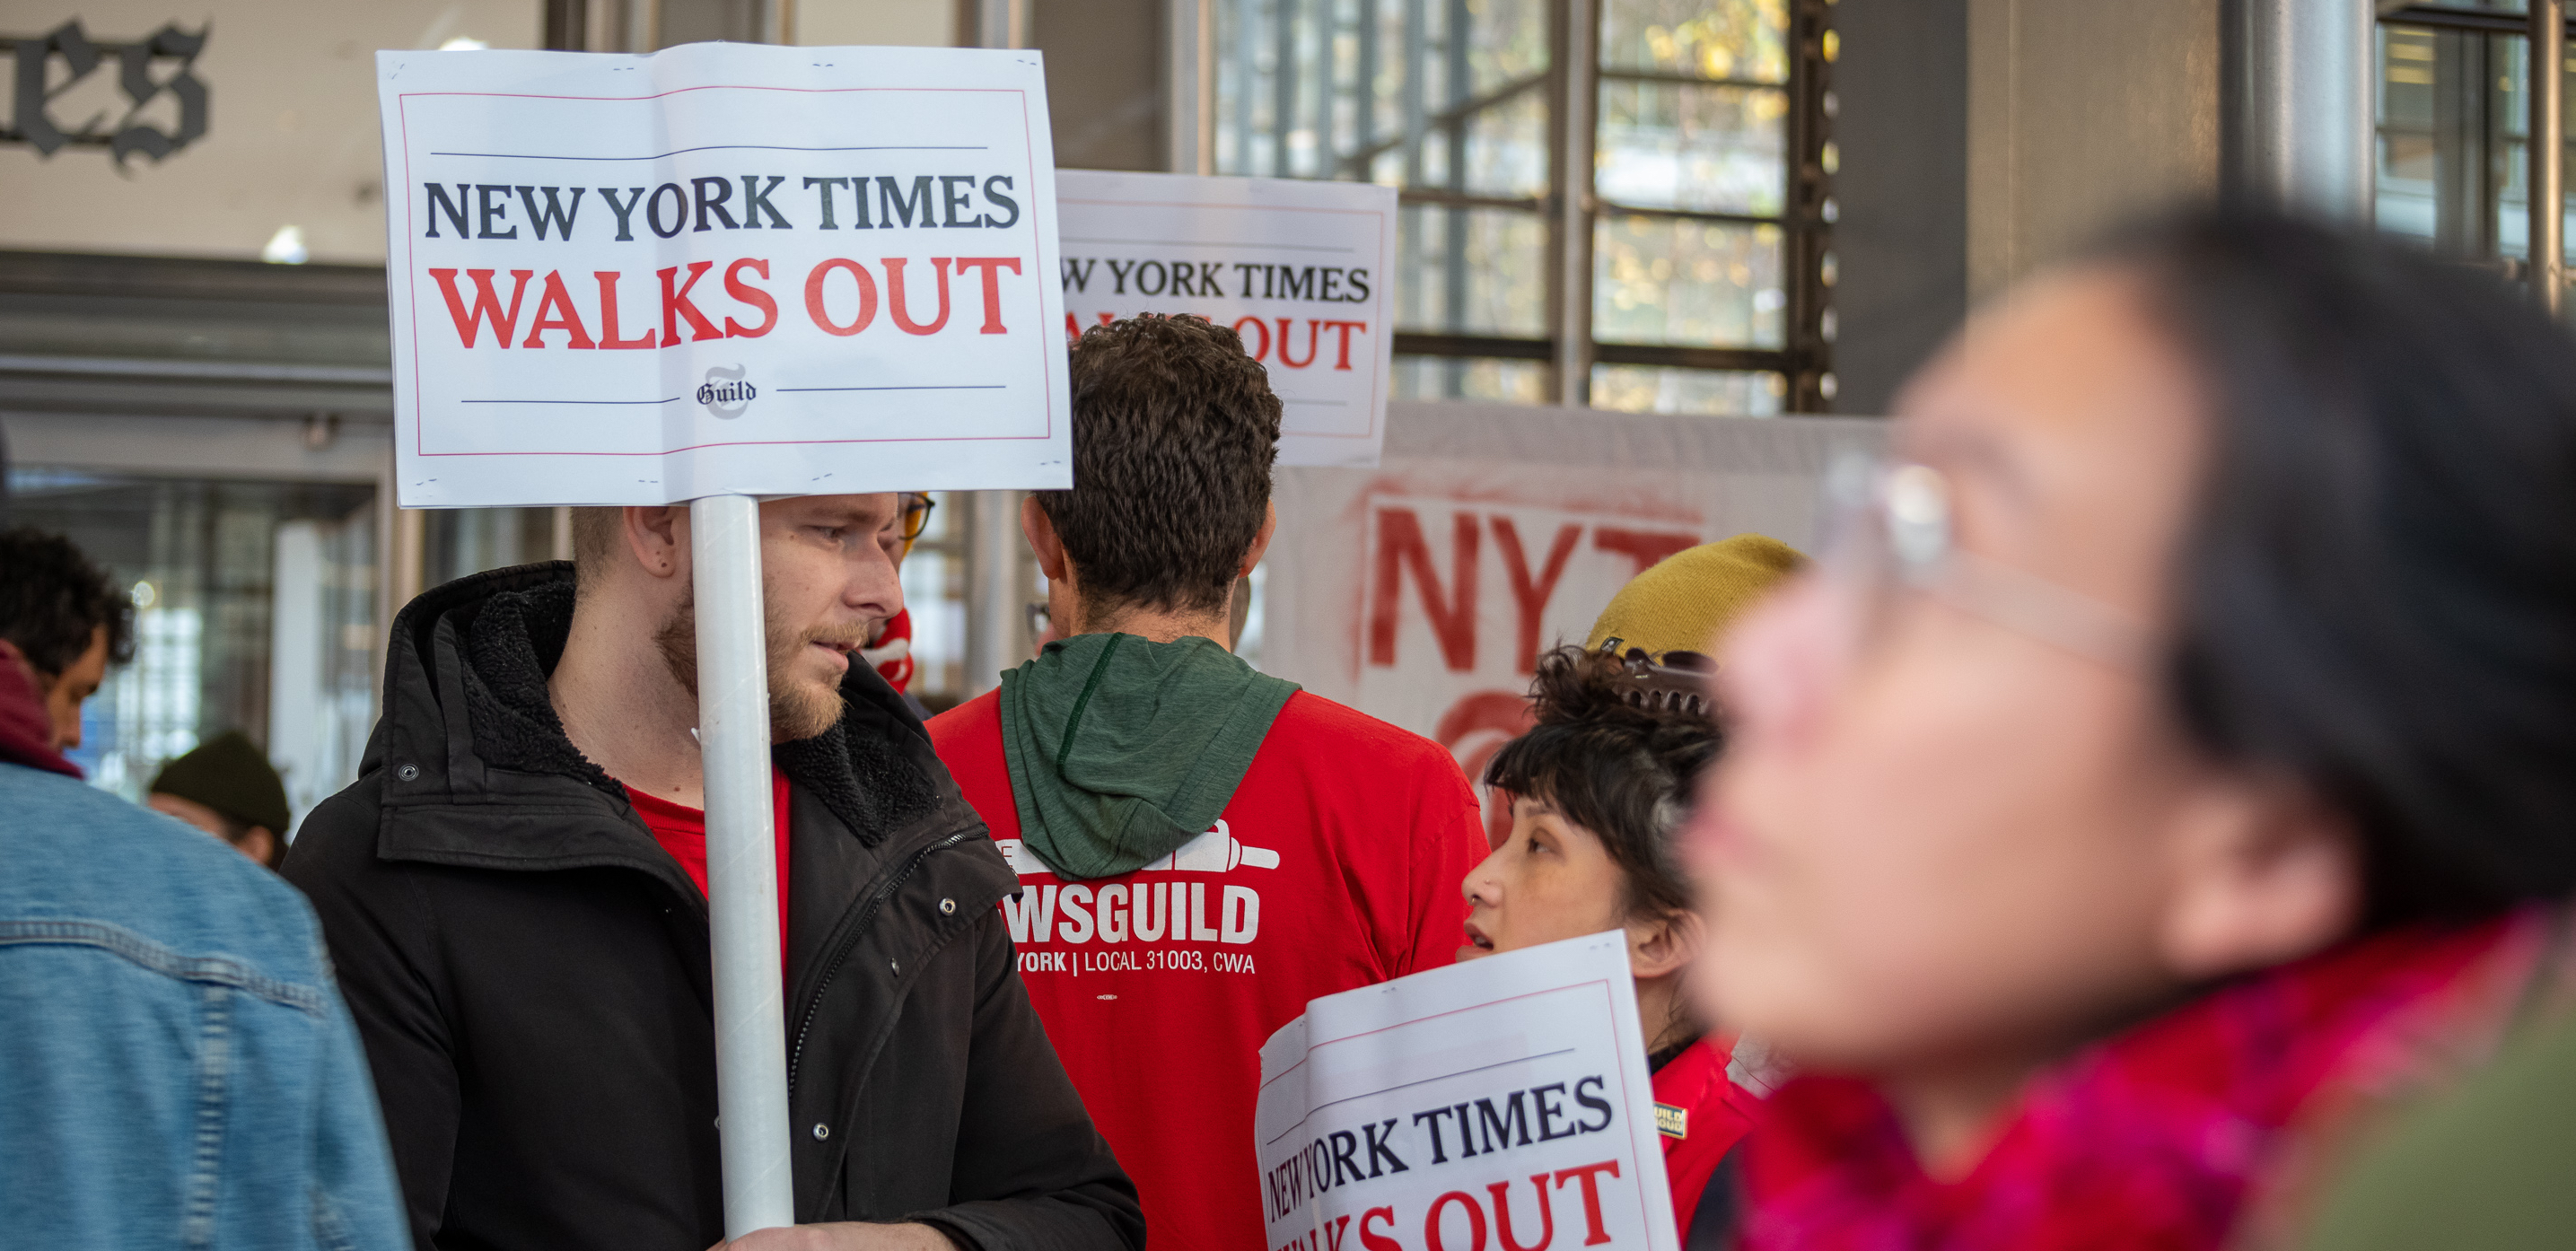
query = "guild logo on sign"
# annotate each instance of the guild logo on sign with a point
(724, 393)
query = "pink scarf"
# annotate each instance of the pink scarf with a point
(2164, 1135)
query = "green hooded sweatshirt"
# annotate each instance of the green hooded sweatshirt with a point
(1121, 748)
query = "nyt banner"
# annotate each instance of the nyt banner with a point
(1503, 1102)
(1423, 591)
(1302, 270)
(721, 268)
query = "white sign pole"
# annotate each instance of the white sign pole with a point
(742, 868)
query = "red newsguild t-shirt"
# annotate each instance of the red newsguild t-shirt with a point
(1336, 865)
(682, 832)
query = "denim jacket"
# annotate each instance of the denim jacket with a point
(176, 1068)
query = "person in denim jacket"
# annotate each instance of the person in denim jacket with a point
(176, 1068)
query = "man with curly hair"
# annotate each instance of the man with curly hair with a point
(65, 618)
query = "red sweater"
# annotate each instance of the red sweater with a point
(1337, 864)
(1701, 1116)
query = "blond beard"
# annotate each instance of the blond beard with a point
(796, 710)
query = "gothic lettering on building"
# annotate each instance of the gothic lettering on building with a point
(157, 67)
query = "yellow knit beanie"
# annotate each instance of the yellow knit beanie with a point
(1689, 597)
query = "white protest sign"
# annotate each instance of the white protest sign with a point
(1304, 271)
(721, 268)
(1501, 1102)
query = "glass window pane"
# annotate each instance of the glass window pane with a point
(2508, 138)
(239, 587)
(1677, 146)
(1506, 150)
(1436, 95)
(1465, 378)
(456, 542)
(1471, 271)
(1686, 283)
(2408, 155)
(1739, 39)
(2508, 135)
(1506, 41)
(1391, 91)
(1699, 392)
(2453, 167)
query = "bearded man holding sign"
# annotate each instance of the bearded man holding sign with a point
(514, 896)
(582, 836)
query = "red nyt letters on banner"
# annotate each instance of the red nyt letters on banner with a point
(721, 268)
(1302, 270)
(1500, 1103)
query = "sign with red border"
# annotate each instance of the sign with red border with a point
(1509, 1093)
(721, 269)
(1303, 271)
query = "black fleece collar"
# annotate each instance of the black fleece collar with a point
(858, 769)
(511, 648)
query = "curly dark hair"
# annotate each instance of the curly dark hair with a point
(1174, 433)
(53, 600)
(1621, 768)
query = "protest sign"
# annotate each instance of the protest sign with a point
(1302, 270)
(1423, 592)
(721, 268)
(713, 273)
(1506, 1098)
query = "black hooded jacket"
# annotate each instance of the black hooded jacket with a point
(530, 972)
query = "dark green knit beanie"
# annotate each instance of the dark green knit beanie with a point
(229, 774)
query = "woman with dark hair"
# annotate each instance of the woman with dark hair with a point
(2169, 763)
(1598, 789)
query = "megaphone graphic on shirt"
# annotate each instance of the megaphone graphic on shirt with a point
(1213, 852)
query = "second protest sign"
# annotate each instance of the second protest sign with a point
(1300, 270)
(1506, 1097)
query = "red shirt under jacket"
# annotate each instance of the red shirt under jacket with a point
(683, 833)
(1336, 865)
(1701, 1116)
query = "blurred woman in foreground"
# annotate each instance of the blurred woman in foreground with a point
(2171, 760)
(1598, 789)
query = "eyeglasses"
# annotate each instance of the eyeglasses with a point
(916, 517)
(1888, 531)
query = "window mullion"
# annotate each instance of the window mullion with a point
(1327, 16)
(1416, 101)
(1283, 88)
(1809, 236)
(1581, 58)
(1364, 119)
(1455, 27)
